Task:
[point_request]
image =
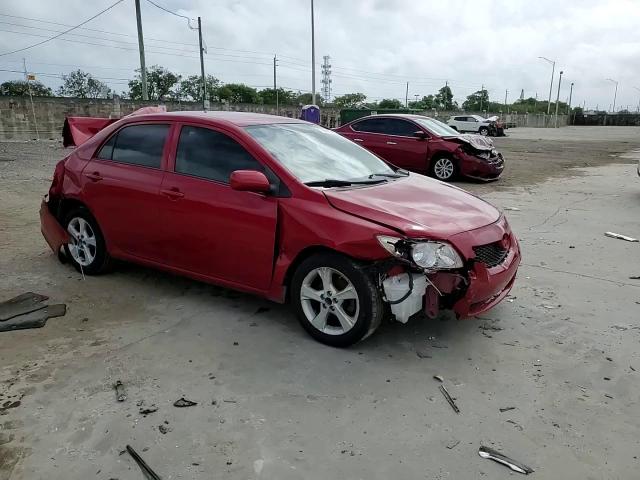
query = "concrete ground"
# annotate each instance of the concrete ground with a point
(274, 404)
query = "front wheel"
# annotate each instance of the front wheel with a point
(443, 168)
(484, 131)
(335, 300)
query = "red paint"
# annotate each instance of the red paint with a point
(415, 153)
(239, 235)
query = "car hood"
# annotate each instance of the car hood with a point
(417, 206)
(476, 141)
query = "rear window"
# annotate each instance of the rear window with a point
(136, 145)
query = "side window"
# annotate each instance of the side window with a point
(213, 155)
(400, 127)
(106, 152)
(461, 119)
(137, 145)
(371, 125)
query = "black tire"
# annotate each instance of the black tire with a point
(435, 172)
(484, 131)
(370, 302)
(101, 260)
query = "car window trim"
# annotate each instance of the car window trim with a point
(165, 147)
(418, 127)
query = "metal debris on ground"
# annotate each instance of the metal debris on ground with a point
(513, 209)
(634, 277)
(148, 410)
(506, 409)
(453, 444)
(439, 378)
(620, 237)
(164, 429)
(449, 399)
(33, 319)
(121, 396)
(491, 454)
(25, 303)
(183, 402)
(146, 469)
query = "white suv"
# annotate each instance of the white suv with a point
(470, 123)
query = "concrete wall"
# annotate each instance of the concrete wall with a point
(617, 119)
(17, 115)
(537, 120)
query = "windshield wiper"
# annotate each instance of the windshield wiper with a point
(399, 173)
(341, 183)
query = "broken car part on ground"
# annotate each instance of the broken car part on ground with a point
(490, 453)
(337, 248)
(28, 311)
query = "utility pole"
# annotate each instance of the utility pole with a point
(553, 68)
(615, 94)
(275, 86)
(506, 92)
(33, 109)
(481, 96)
(205, 101)
(406, 97)
(143, 68)
(313, 58)
(570, 96)
(558, 96)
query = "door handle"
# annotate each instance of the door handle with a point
(93, 176)
(358, 140)
(391, 143)
(172, 193)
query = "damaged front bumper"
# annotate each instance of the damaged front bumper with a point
(55, 235)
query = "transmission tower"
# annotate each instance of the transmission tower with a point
(326, 79)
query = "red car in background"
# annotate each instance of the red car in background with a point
(425, 145)
(283, 209)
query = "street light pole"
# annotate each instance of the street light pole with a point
(313, 59)
(615, 94)
(570, 96)
(558, 97)
(143, 68)
(275, 87)
(553, 69)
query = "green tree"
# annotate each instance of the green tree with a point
(21, 87)
(390, 103)
(83, 85)
(160, 83)
(444, 99)
(267, 96)
(307, 99)
(427, 103)
(477, 101)
(238, 93)
(190, 88)
(350, 100)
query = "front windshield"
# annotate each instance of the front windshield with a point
(436, 126)
(313, 153)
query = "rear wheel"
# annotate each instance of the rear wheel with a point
(86, 249)
(335, 300)
(443, 168)
(484, 131)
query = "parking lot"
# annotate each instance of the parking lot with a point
(274, 404)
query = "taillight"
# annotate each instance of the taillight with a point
(58, 177)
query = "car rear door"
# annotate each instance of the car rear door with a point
(399, 145)
(122, 188)
(365, 133)
(209, 228)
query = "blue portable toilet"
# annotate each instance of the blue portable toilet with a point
(310, 113)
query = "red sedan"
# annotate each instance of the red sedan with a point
(425, 145)
(283, 209)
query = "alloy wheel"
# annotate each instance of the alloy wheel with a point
(83, 246)
(329, 301)
(443, 168)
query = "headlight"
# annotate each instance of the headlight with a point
(435, 256)
(428, 255)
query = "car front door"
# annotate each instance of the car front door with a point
(366, 133)
(211, 229)
(122, 188)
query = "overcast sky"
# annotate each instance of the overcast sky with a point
(375, 45)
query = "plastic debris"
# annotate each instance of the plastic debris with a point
(620, 237)
(25, 303)
(146, 469)
(183, 402)
(121, 396)
(34, 319)
(449, 399)
(148, 410)
(439, 378)
(491, 454)
(506, 409)
(453, 444)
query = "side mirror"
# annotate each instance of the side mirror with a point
(249, 181)
(420, 135)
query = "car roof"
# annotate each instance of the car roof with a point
(407, 116)
(239, 119)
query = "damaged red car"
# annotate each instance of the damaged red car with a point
(283, 209)
(425, 145)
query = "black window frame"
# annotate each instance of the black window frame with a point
(353, 125)
(114, 137)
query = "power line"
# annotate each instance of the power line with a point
(168, 11)
(62, 33)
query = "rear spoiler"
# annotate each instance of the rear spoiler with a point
(77, 130)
